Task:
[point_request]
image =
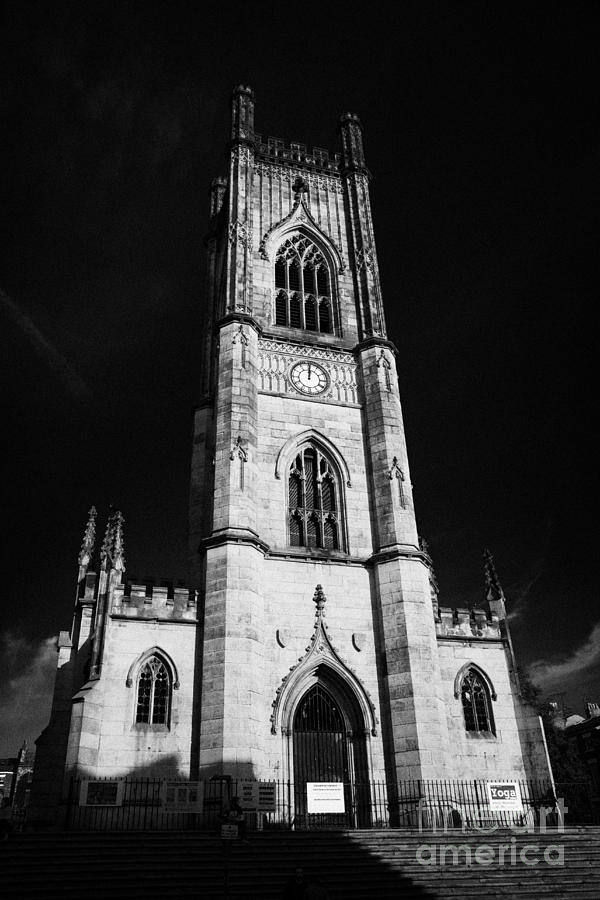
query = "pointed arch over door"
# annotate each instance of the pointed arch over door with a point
(329, 744)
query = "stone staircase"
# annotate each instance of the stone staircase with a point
(353, 865)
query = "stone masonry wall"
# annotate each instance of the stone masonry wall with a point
(109, 741)
(281, 418)
(476, 755)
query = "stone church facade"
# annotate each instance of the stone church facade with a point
(314, 648)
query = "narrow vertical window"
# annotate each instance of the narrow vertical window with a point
(324, 317)
(280, 270)
(310, 314)
(323, 281)
(302, 286)
(313, 501)
(281, 309)
(476, 703)
(154, 693)
(309, 279)
(295, 314)
(294, 275)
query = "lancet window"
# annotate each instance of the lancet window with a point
(314, 501)
(303, 287)
(476, 703)
(153, 693)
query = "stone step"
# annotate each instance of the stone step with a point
(355, 866)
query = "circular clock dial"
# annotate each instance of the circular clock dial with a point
(309, 378)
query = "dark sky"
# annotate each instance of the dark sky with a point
(480, 126)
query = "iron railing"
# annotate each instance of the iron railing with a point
(144, 804)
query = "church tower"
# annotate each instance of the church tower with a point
(312, 646)
(301, 485)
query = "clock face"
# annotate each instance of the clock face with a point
(309, 378)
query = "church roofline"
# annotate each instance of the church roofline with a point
(296, 155)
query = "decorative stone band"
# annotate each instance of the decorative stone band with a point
(276, 358)
(314, 181)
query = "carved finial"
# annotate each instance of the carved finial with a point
(433, 583)
(106, 543)
(89, 537)
(299, 187)
(118, 548)
(320, 599)
(112, 554)
(492, 582)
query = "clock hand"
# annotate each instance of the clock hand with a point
(309, 370)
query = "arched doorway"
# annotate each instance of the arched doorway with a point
(329, 745)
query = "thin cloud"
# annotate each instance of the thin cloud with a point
(51, 356)
(518, 594)
(26, 698)
(550, 674)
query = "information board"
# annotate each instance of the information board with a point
(257, 795)
(504, 796)
(182, 796)
(101, 793)
(325, 797)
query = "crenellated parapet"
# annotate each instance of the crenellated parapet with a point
(156, 602)
(469, 623)
(274, 150)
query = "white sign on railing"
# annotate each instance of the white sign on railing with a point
(101, 793)
(325, 797)
(504, 796)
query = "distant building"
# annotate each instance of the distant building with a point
(15, 776)
(315, 648)
(583, 735)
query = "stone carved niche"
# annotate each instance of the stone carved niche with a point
(396, 473)
(238, 453)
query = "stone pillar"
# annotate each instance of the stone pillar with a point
(232, 721)
(362, 239)
(235, 423)
(238, 292)
(412, 701)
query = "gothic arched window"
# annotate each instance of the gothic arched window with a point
(314, 501)
(303, 286)
(153, 693)
(476, 703)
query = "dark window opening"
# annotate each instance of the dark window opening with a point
(322, 281)
(309, 279)
(476, 704)
(310, 314)
(281, 309)
(295, 314)
(313, 512)
(301, 272)
(294, 276)
(324, 317)
(280, 269)
(154, 692)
